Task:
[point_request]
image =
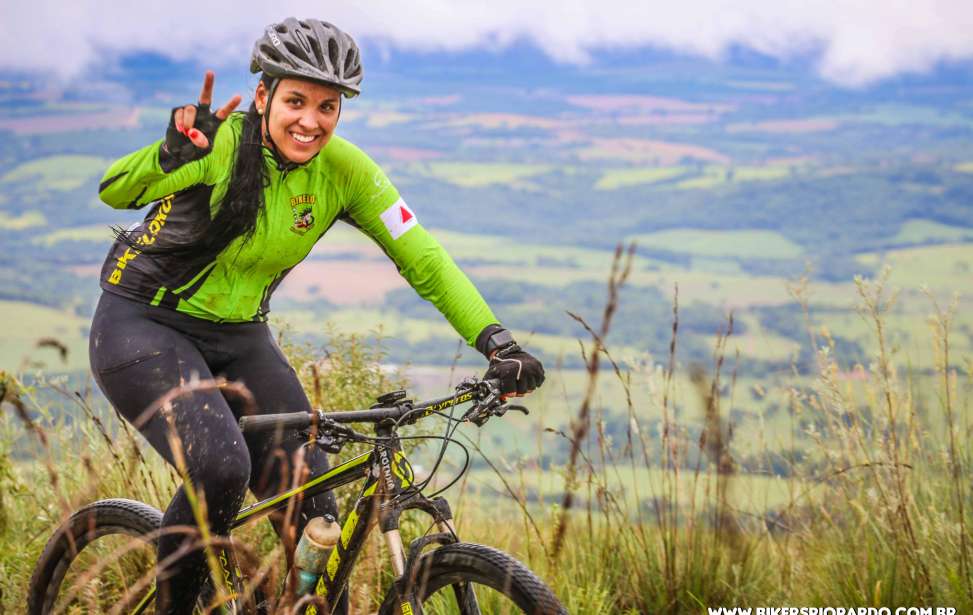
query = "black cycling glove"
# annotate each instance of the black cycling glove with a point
(518, 371)
(177, 149)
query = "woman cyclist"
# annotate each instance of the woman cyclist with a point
(236, 200)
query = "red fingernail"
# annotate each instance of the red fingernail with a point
(193, 133)
(185, 131)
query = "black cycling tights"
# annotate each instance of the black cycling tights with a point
(138, 353)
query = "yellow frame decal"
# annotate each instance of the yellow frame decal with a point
(351, 463)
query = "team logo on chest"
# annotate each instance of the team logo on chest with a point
(302, 207)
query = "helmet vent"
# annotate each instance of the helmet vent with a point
(333, 54)
(351, 60)
(272, 54)
(293, 49)
(316, 50)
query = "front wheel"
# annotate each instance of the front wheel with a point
(471, 579)
(101, 560)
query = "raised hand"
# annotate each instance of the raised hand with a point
(192, 128)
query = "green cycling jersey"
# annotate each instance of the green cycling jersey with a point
(300, 205)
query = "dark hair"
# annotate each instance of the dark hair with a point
(244, 199)
(238, 210)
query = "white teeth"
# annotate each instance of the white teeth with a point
(303, 138)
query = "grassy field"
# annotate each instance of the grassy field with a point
(899, 115)
(95, 233)
(622, 178)
(715, 176)
(65, 172)
(19, 347)
(927, 231)
(479, 175)
(648, 529)
(25, 220)
(637, 488)
(938, 267)
(739, 244)
(809, 474)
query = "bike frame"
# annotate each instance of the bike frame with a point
(387, 474)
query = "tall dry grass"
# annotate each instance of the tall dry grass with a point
(877, 513)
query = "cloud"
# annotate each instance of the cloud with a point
(855, 41)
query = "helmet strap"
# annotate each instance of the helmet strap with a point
(282, 163)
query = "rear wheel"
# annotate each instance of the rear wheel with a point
(470, 579)
(100, 560)
(93, 559)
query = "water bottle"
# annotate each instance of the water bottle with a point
(320, 535)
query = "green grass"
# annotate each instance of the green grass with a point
(612, 179)
(65, 172)
(738, 244)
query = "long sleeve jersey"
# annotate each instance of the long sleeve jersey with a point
(300, 205)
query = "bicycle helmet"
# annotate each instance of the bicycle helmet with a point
(309, 49)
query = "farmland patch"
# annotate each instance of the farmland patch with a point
(663, 153)
(739, 244)
(479, 175)
(25, 220)
(58, 172)
(29, 323)
(342, 282)
(797, 126)
(622, 178)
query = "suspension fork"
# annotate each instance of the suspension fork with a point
(395, 476)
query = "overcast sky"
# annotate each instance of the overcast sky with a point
(855, 42)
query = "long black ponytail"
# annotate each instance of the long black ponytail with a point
(244, 199)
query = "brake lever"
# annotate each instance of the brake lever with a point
(515, 407)
(330, 435)
(330, 444)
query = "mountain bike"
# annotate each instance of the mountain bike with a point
(437, 573)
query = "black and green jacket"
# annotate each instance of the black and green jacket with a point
(300, 205)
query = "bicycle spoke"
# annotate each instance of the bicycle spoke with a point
(455, 600)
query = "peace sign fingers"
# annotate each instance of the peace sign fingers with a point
(192, 128)
(206, 95)
(225, 111)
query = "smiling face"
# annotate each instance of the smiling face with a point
(303, 116)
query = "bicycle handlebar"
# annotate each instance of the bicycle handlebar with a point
(296, 420)
(476, 391)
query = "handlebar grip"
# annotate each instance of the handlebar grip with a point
(291, 420)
